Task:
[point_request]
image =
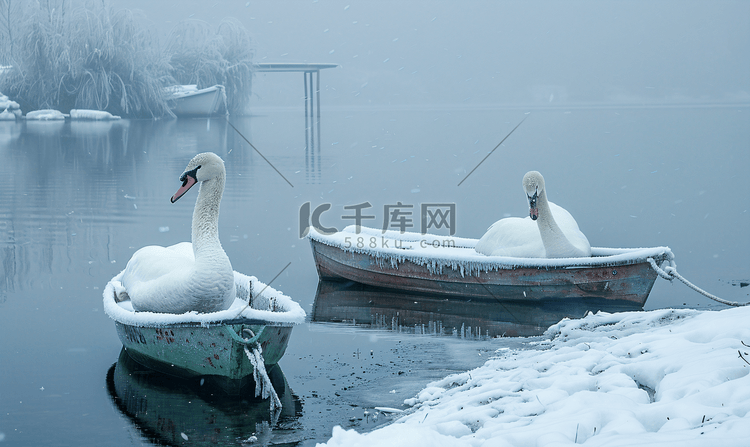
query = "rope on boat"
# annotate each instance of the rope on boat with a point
(670, 272)
(263, 386)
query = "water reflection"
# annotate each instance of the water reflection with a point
(312, 129)
(312, 147)
(171, 411)
(357, 304)
(57, 181)
(65, 186)
(9, 132)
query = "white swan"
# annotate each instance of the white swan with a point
(188, 276)
(549, 231)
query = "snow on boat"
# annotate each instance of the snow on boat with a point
(225, 346)
(189, 101)
(449, 266)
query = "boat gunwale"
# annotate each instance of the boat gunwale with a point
(213, 324)
(601, 257)
(199, 319)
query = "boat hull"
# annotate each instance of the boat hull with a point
(194, 351)
(204, 102)
(216, 345)
(627, 281)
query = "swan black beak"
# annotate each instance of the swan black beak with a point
(188, 180)
(533, 211)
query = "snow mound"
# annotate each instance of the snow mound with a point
(181, 90)
(664, 377)
(7, 115)
(45, 115)
(96, 115)
(10, 109)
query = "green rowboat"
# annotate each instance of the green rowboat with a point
(224, 347)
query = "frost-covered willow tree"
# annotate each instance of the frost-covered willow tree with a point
(202, 55)
(10, 12)
(88, 57)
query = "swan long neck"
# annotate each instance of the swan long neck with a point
(553, 237)
(206, 215)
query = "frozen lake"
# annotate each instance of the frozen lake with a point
(77, 199)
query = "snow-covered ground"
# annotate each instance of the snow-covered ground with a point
(659, 378)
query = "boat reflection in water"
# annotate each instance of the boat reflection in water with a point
(170, 411)
(361, 305)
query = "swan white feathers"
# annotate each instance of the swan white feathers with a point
(187, 276)
(549, 231)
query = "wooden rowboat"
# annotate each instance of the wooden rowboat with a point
(220, 346)
(449, 266)
(189, 101)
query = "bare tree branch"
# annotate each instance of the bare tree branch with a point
(743, 358)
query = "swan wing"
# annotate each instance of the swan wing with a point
(152, 262)
(512, 236)
(155, 275)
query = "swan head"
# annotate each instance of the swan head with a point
(202, 167)
(533, 185)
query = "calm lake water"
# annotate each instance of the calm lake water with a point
(77, 199)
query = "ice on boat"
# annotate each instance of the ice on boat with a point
(266, 304)
(437, 252)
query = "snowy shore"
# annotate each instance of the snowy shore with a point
(657, 378)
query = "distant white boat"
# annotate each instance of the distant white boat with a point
(189, 101)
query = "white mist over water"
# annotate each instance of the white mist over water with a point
(457, 54)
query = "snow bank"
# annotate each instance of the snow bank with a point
(665, 377)
(76, 114)
(266, 304)
(45, 115)
(97, 115)
(439, 252)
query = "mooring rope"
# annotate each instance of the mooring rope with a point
(263, 386)
(670, 272)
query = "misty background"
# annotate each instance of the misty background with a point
(636, 112)
(490, 53)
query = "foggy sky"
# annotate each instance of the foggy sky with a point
(476, 53)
